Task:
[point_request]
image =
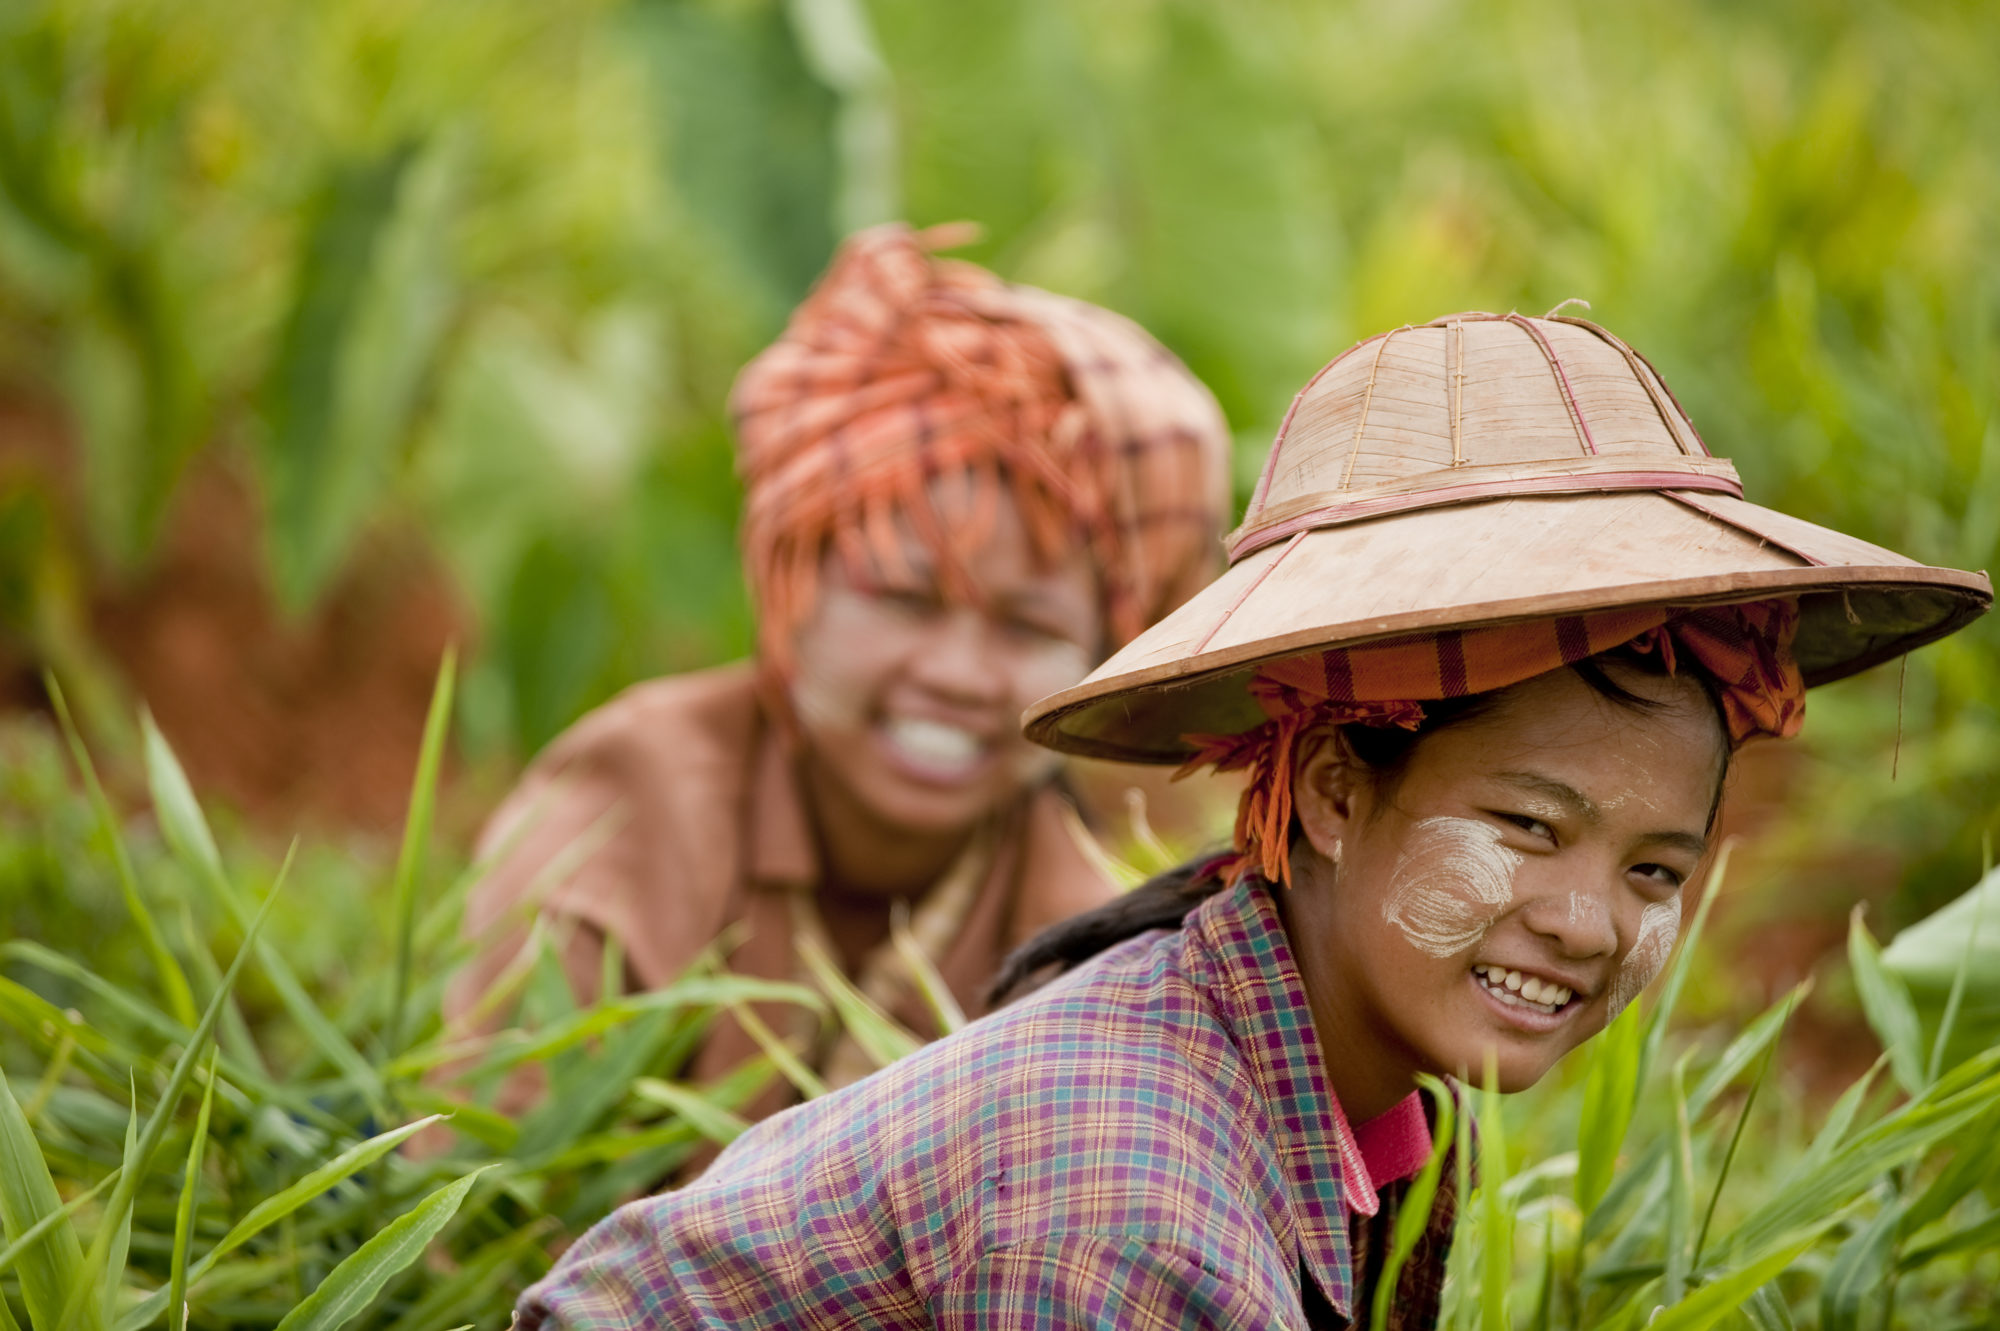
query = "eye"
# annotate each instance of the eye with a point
(1532, 826)
(1666, 878)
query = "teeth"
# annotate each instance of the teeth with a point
(1510, 986)
(934, 741)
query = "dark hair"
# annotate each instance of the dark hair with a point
(1166, 899)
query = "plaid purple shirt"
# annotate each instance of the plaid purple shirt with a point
(1147, 1142)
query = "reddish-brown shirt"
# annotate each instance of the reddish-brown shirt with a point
(677, 809)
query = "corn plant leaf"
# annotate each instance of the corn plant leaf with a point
(1609, 1092)
(351, 1286)
(52, 1265)
(1886, 1002)
(1862, 1266)
(180, 998)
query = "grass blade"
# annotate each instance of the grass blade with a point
(156, 1126)
(1736, 1139)
(1715, 1300)
(1677, 970)
(351, 1286)
(1863, 1266)
(1887, 1004)
(1610, 1090)
(33, 1233)
(880, 1036)
(416, 836)
(51, 1266)
(187, 834)
(1496, 1219)
(180, 998)
(177, 1279)
(782, 1055)
(1680, 1193)
(1949, 1020)
(1416, 1208)
(931, 986)
(711, 1121)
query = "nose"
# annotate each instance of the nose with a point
(1579, 922)
(959, 659)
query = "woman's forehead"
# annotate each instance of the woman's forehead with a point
(1558, 723)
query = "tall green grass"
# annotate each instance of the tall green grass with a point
(209, 1092)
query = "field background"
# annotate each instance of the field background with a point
(335, 333)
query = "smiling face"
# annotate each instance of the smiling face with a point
(1514, 884)
(910, 701)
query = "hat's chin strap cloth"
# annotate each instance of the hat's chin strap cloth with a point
(1746, 650)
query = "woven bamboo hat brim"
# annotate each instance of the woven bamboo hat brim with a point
(1487, 469)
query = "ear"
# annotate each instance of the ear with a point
(1327, 783)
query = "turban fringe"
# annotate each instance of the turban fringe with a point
(901, 371)
(1744, 649)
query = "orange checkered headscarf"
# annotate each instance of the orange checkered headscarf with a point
(1746, 650)
(901, 369)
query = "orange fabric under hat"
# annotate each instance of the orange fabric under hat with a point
(1745, 649)
(901, 369)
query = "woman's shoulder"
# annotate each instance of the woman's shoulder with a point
(685, 719)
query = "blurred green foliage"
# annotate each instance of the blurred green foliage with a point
(487, 267)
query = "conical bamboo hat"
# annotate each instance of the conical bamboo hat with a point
(1485, 469)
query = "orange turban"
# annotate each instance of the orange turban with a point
(1745, 649)
(901, 368)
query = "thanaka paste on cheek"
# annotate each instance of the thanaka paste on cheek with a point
(1659, 926)
(1453, 881)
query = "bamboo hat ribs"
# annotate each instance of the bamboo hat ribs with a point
(1483, 470)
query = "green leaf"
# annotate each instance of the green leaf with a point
(1496, 1218)
(180, 998)
(175, 805)
(50, 1271)
(1609, 1092)
(1677, 970)
(351, 1286)
(416, 835)
(1415, 1212)
(879, 1035)
(931, 986)
(1709, 1304)
(32, 1235)
(177, 1279)
(1759, 1037)
(1981, 1236)
(1766, 1310)
(1976, 1160)
(714, 1123)
(1680, 1194)
(1864, 1265)
(140, 1156)
(1887, 1004)
(465, 1290)
(359, 342)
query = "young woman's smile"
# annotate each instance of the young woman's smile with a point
(1505, 890)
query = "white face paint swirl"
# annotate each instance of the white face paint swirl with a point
(1452, 882)
(1659, 925)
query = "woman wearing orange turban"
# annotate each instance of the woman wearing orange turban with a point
(960, 495)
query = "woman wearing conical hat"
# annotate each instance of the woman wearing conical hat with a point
(1494, 626)
(960, 494)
